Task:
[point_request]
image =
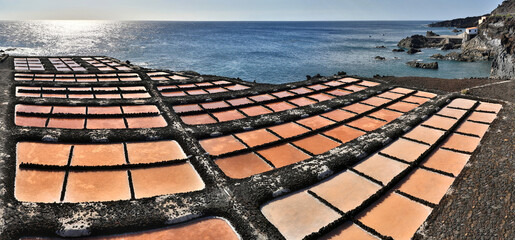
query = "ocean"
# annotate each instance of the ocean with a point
(267, 52)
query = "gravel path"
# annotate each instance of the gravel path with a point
(501, 91)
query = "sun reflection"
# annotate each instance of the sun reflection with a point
(72, 27)
(64, 37)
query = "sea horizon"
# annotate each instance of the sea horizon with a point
(157, 20)
(262, 51)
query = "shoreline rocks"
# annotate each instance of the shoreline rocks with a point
(415, 41)
(438, 56)
(413, 51)
(431, 34)
(450, 45)
(419, 41)
(398, 50)
(465, 56)
(415, 64)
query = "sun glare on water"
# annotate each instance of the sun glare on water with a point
(61, 37)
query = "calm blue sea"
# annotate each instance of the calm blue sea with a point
(271, 52)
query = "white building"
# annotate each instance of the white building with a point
(471, 31)
(481, 20)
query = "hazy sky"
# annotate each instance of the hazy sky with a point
(256, 10)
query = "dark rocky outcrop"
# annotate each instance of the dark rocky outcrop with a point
(419, 41)
(503, 66)
(496, 42)
(380, 58)
(415, 64)
(413, 51)
(501, 33)
(450, 45)
(3, 57)
(398, 50)
(380, 47)
(438, 56)
(506, 7)
(458, 23)
(469, 56)
(415, 41)
(431, 34)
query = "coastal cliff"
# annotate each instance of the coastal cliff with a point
(457, 23)
(506, 7)
(495, 41)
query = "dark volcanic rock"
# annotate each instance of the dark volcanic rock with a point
(380, 47)
(506, 7)
(458, 23)
(415, 64)
(456, 56)
(470, 55)
(431, 34)
(497, 42)
(415, 41)
(3, 57)
(413, 51)
(419, 41)
(508, 41)
(398, 50)
(503, 66)
(379, 58)
(438, 56)
(450, 45)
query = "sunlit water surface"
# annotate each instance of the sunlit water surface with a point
(272, 52)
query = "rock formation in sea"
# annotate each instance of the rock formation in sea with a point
(415, 64)
(413, 51)
(419, 41)
(380, 58)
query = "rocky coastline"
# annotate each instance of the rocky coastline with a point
(495, 41)
(457, 23)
